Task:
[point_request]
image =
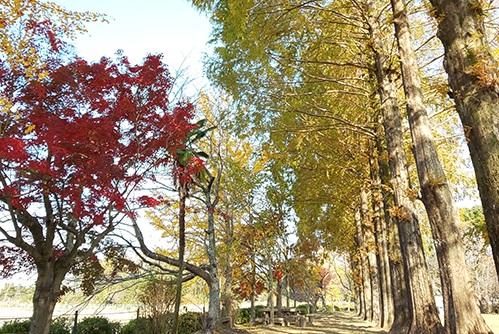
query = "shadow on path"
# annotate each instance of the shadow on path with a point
(338, 323)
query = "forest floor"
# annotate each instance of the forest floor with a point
(338, 323)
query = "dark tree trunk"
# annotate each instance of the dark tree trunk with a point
(380, 240)
(401, 309)
(363, 268)
(47, 292)
(253, 287)
(474, 80)
(181, 252)
(371, 273)
(462, 314)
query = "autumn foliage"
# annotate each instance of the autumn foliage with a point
(80, 141)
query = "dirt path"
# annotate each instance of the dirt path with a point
(339, 323)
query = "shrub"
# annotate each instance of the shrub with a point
(137, 326)
(58, 326)
(243, 316)
(97, 325)
(303, 309)
(158, 300)
(189, 323)
(15, 327)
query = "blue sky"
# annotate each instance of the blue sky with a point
(171, 27)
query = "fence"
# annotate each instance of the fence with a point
(121, 317)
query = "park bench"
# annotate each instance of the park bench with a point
(297, 320)
(280, 321)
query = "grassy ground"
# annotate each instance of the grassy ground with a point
(342, 323)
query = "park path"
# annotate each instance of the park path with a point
(338, 323)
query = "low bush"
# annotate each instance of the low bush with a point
(58, 326)
(97, 325)
(190, 322)
(303, 309)
(137, 326)
(243, 316)
(15, 327)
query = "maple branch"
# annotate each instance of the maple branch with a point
(198, 271)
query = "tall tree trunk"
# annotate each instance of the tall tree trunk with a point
(227, 309)
(380, 239)
(423, 311)
(474, 80)
(253, 287)
(47, 292)
(271, 291)
(181, 252)
(279, 297)
(462, 314)
(367, 226)
(214, 288)
(399, 320)
(362, 265)
(213, 304)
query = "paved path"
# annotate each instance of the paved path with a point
(338, 323)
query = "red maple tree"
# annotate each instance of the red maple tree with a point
(75, 147)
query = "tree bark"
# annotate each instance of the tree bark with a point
(253, 287)
(279, 297)
(370, 257)
(47, 292)
(380, 240)
(361, 262)
(227, 303)
(181, 252)
(462, 314)
(423, 311)
(474, 79)
(399, 320)
(271, 291)
(214, 292)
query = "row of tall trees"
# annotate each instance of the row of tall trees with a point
(337, 87)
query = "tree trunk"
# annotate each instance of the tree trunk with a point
(462, 314)
(370, 257)
(181, 252)
(399, 320)
(227, 309)
(423, 311)
(253, 287)
(271, 292)
(361, 262)
(213, 304)
(279, 297)
(214, 288)
(380, 240)
(47, 292)
(474, 80)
